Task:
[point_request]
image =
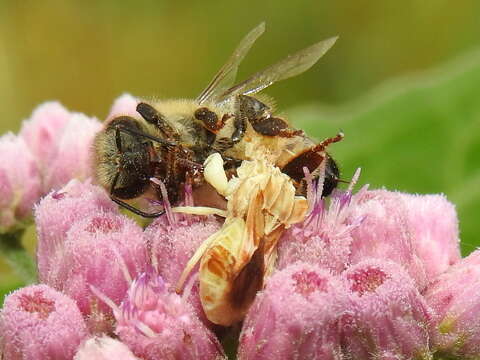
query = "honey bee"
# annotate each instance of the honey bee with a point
(171, 139)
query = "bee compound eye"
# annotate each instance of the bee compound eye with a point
(135, 168)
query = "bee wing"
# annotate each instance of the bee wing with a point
(292, 65)
(226, 75)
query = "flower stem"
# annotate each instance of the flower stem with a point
(17, 257)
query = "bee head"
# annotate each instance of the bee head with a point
(123, 158)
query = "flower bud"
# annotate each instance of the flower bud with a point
(56, 214)
(296, 316)
(124, 105)
(20, 183)
(158, 324)
(433, 225)
(324, 238)
(42, 130)
(104, 250)
(104, 348)
(455, 298)
(384, 233)
(40, 323)
(387, 316)
(174, 238)
(73, 157)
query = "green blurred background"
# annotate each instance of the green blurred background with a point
(419, 132)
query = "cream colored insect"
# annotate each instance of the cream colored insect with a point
(235, 260)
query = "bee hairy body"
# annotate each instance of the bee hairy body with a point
(170, 139)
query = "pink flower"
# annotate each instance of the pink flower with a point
(20, 183)
(56, 214)
(39, 323)
(324, 238)
(387, 317)
(104, 250)
(158, 324)
(455, 297)
(433, 225)
(296, 316)
(126, 105)
(61, 142)
(384, 233)
(348, 283)
(104, 348)
(173, 239)
(73, 157)
(42, 130)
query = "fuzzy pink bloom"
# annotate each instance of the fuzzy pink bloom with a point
(73, 157)
(58, 211)
(455, 297)
(125, 104)
(433, 224)
(173, 239)
(40, 323)
(20, 182)
(104, 348)
(387, 317)
(104, 250)
(295, 317)
(61, 142)
(158, 324)
(384, 233)
(6, 189)
(324, 238)
(42, 130)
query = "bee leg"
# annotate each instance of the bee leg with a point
(311, 159)
(210, 119)
(246, 108)
(222, 144)
(257, 113)
(240, 126)
(273, 126)
(135, 210)
(231, 163)
(151, 115)
(128, 206)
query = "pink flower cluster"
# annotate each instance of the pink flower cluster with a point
(372, 275)
(102, 262)
(53, 146)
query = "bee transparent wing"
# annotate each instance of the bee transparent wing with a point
(292, 65)
(227, 74)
